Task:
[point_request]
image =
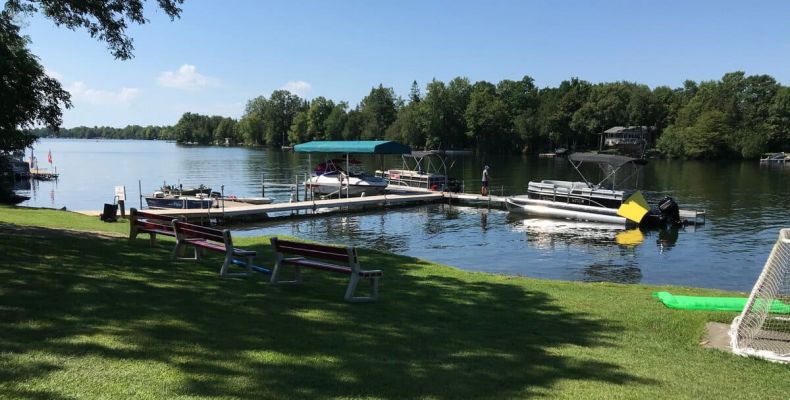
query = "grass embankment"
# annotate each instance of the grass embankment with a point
(83, 315)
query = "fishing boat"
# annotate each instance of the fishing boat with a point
(186, 191)
(422, 169)
(160, 199)
(594, 202)
(330, 178)
(779, 158)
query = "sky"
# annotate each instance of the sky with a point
(220, 54)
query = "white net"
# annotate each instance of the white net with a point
(763, 328)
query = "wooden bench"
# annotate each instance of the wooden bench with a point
(202, 238)
(327, 258)
(152, 224)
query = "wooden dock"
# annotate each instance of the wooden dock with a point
(400, 196)
(262, 210)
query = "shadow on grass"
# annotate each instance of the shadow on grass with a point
(431, 334)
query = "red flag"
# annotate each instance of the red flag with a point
(49, 157)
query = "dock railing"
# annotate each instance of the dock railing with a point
(281, 186)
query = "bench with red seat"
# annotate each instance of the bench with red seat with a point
(326, 258)
(152, 224)
(202, 238)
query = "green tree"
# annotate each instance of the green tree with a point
(336, 121)
(298, 132)
(251, 129)
(487, 119)
(317, 114)
(226, 129)
(707, 137)
(279, 113)
(354, 125)
(29, 97)
(379, 110)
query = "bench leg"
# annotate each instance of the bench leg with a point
(278, 269)
(153, 238)
(178, 250)
(223, 272)
(352, 287)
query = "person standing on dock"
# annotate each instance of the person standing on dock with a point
(486, 177)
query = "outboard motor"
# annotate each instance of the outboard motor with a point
(667, 212)
(670, 211)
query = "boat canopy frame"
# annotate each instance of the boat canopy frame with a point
(353, 146)
(350, 147)
(609, 165)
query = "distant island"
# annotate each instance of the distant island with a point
(737, 116)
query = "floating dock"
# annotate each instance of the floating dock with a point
(43, 174)
(260, 211)
(399, 197)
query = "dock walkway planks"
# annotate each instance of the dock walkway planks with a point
(401, 195)
(250, 210)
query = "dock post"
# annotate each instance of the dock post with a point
(263, 185)
(140, 192)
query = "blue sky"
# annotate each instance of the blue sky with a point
(220, 54)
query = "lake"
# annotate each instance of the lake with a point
(746, 203)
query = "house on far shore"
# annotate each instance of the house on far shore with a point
(632, 140)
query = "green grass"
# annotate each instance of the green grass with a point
(83, 316)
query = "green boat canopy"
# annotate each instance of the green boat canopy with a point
(353, 146)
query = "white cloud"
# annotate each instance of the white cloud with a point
(80, 92)
(300, 88)
(186, 78)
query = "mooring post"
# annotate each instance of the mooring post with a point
(140, 192)
(263, 185)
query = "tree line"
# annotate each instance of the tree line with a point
(737, 116)
(107, 132)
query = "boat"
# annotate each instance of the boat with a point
(188, 191)
(780, 157)
(330, 178)
(251, 200)
(422, 169)
(594, 202)
(160, 199)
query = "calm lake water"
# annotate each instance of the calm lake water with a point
(747, 204)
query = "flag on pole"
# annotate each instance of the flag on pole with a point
(49, 157)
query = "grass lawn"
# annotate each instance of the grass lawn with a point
(87, 315)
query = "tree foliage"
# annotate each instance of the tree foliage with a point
(737, 116)
(28, 97)
(105, 20)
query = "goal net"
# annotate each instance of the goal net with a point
(763, 328)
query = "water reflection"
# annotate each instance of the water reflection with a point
(548, 233)
(613, 272)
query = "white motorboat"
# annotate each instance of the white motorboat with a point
(329, 179)
(585, 201)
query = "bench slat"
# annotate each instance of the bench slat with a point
(311, 246)
(312, 253)
(318, 264)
